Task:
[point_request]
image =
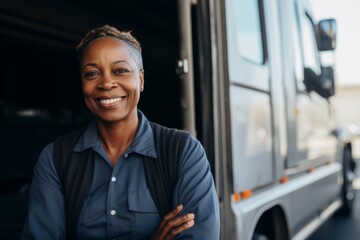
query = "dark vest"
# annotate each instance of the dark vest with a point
(75, 171)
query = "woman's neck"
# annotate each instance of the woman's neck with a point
(116, 137)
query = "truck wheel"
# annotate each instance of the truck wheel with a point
(348, 192)
(259, 236)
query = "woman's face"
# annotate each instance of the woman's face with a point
(111, 80)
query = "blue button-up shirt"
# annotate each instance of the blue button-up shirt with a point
(119, 204)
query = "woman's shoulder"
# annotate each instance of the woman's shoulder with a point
(169, 131)
(44, 168)
(175, 138)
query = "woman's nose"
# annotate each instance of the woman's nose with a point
(106, 82)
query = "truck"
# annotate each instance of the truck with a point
(244, 76)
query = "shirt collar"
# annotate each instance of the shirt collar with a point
(142, 144)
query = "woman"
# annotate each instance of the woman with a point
(119, 204)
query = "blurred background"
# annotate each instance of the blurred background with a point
(347, 97)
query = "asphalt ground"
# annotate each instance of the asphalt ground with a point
(339, 227)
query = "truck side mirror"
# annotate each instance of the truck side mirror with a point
(324, 84)
(326, 34)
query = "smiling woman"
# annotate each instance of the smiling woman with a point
(41, 88)
(116, 150)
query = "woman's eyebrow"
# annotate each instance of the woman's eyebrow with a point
(120, 61)
(90, 64)
(96, 65)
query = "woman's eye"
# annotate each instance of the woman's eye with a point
(121, 71)
(91, 75)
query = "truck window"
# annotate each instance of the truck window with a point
(298, 64)
(246, 44)
(311, 57)
(249, 40)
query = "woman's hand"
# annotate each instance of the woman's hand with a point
(172, 225)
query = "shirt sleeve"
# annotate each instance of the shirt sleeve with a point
(46, 215)
(195, 189)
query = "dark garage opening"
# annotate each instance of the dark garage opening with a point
(40, 92)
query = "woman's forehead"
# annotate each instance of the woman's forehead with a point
(113, 49)
(105, 43)
(109, 48)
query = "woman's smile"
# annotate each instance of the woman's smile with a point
(110, 102)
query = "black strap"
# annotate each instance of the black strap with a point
(75, 170)
(161, 173)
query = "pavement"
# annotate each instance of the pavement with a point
(339, 227)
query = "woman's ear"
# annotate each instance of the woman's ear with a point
(142, 80)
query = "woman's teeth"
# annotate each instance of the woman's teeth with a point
(110, 100)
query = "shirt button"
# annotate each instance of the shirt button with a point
(112, 212)
(113, 179)
(126, 155)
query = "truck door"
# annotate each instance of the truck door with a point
(249, 95)
(310, 139)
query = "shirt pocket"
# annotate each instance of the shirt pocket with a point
(144, 216)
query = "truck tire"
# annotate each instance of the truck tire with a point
(348, 192)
